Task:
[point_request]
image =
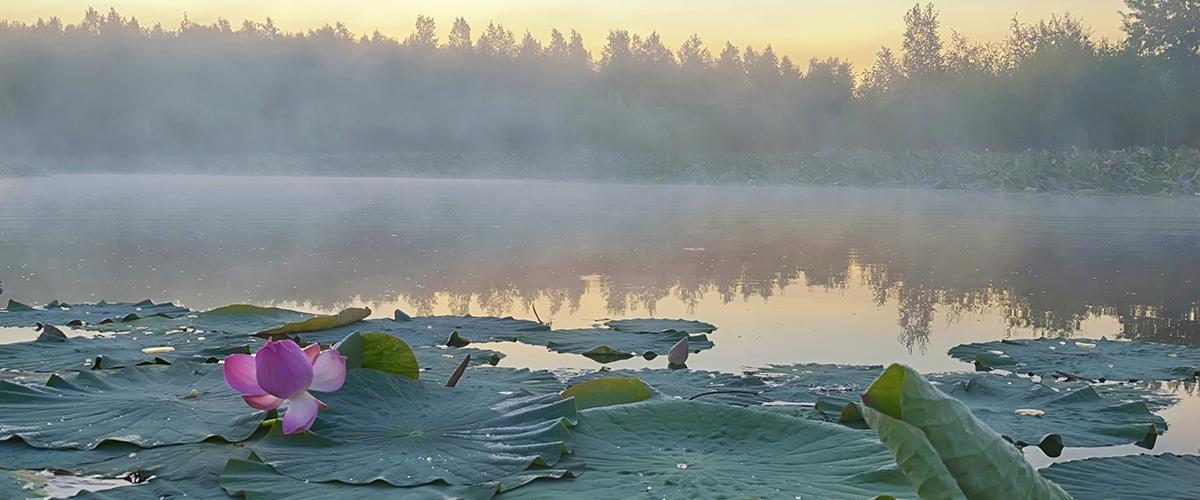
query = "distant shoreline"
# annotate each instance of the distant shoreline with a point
(1141, 171)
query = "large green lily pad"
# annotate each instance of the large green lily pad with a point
(653, 325)
(1092, 359)
(606, 345)
(409, 433)
(1078, 413)
(258, 481)
(17, 314)
(692, 449)
(144, 405)
(50, 353)
(1129, 477)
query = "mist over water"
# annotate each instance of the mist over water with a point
(795, 274)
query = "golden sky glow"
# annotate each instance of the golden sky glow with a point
(798, 28)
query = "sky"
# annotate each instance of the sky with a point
(802, 29)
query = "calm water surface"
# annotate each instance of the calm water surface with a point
(788, 274)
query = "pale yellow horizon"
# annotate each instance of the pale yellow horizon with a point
(800, 29)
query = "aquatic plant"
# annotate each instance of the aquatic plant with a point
(281, 372)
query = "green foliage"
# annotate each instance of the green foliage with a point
(944, 450)
(691, 449)
(408, 433)
(144, 405)
(318, 323)
(607, 391)
(379, 351)
(1088, 358)
(1036, 90)
(1129, 477)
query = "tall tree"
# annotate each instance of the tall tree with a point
(424, 36)
(557, 49)
(1170, 28)
(460, 35)
(496, 41)
(617, 52)
(922, 43)
(884, 75)
(576, 52)
(693, 55)
(530, 49)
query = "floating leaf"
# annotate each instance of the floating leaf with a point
(143, 405)
(437, 363)
(18, 314)
(318, 323)
(49, 353)
(1108, 360)
(605, 345)
(651, 325)
(16, 484)
(608, 391)
(379, 351)
(258, 481)
(1080, 414)
(691, 449)
(408, 433)
(1132, 477)
(943, 449)
(435, 330)
(507, 381)
(686, 383)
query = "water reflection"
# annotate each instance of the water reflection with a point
(1023, 264)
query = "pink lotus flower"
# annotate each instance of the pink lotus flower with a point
(282, 371)
(1110, 162)
(678, 354)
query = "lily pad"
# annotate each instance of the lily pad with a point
(1093, 359)
(605, 345)
(691, 449)
(810, 382)
(652, 325)
(1078, 413)
(17, 314)
(189, 470)
(437, 330)
(16, 484)
(943, 449)
(409, 433)
(258, 481)
(685, 384)
(438, 362)
(1132, 477)
(505, 381)
(608, 391)
(50, 353)
(241, 319)
(317, 323)
(379, 351)
(144, 405)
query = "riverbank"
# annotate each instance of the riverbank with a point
(1145, 171)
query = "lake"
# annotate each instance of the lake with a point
(788, 274)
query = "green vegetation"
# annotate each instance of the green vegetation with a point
(170, 426)
(1049, 108)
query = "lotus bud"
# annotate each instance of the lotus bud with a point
(678, 354)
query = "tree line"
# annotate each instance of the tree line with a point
(109, 86)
